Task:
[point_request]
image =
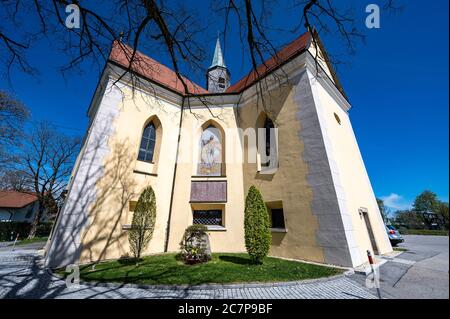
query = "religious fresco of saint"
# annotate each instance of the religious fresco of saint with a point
(210, 163)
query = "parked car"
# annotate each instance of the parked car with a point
(394, 236)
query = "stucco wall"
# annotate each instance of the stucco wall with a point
(124, 178)
(289, 184)
(231, 239)
(321, 180)
(66, 243)
(350, 177)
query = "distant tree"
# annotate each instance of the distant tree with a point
(46, 160)
(383, 210)
(13, 115)
(143, 223)
(443, 215)
(410, 219)
(257, 227)
(427, 201)
(14, 179)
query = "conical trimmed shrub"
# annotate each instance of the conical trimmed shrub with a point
(143, 223)
(257, 226)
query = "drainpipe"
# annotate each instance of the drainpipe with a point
(166, 244)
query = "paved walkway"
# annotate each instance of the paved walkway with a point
(22, 277)
(419, 273)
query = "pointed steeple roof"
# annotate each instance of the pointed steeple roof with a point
(218, 56)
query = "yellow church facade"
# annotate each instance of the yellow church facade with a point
(202, 151)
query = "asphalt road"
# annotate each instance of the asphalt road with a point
(32, 246)
(422, 272)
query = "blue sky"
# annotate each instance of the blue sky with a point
(397, 82)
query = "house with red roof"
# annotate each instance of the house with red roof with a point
(17, 206)
(284, 127)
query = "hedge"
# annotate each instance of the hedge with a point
(23, 228)
(256, 225)
(143, 222)
(44, 229)
(429, 232)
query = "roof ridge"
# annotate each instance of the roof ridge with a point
(169, 79)
(281, 56)
(144, 64)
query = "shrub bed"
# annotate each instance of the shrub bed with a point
(9, 230)
(430, 232)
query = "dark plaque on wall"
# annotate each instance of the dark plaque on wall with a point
(209, 191)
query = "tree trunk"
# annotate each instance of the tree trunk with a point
(35, 223)
(33, 229)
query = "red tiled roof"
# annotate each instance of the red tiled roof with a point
(152, 69)
(289, 51)
(13, 199)
(155, 71)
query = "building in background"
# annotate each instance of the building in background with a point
(17, 206)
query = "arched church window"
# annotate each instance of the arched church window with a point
(211, 152)
(268, 125)
(148, 142)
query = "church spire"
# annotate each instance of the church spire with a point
(218, 76)
(218, 56)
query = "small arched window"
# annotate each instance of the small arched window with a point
(267, 144)
(268, 125)
(148, 141)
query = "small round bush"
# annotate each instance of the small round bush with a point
(195, 247)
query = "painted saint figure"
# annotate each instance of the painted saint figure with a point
(210, 153)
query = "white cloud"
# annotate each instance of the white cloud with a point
(396, 202)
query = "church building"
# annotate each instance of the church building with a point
(284, 128)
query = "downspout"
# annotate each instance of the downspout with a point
(166, 244)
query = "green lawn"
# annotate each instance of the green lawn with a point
(400, 249)
(429, 232)
(223, 268)
(30, 241)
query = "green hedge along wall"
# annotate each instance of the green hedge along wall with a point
(23, 228)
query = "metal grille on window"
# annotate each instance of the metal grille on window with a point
(277, 216)
(207, 217)
(147, 144)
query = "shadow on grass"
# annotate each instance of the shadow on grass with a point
(130, 261)
(224, 268)
(147, 272)
(236, 260)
